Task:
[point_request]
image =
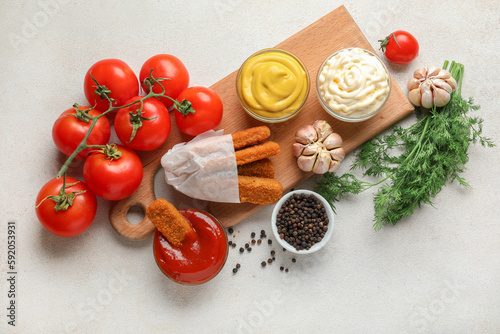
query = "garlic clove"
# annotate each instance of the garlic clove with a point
(334, 166)
(306, 163)
(426, 96)
(441, 97)
(338, 154)
(306, 135)
(415, 97)
(413, 83)
(432, 71)
(323, 129)
(297, 149)
(322, 163)
(420, 73)
(443, 74)
(452, 82)
(311, 149)
(440, 83)
(332, 141)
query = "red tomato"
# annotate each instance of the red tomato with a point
(73, 220)
(165, 66)
(116, 76)
(113, 178)
(155, 127)
(401, 50)
(205, 112)
(68, 132)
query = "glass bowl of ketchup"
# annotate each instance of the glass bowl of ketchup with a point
(201, 255)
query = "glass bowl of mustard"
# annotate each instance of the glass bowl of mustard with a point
(272, 85)
(353, 84)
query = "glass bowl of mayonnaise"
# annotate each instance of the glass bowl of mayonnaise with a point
(272, 85)
(353, 84)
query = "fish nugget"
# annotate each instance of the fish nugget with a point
(169, 221)
(259, 190)
(250, 136)
(257, 152)
(259, 168)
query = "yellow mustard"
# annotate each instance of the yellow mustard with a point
(273, 84)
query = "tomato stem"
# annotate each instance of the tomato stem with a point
(136, 119)
(385, 41)
(63, 200)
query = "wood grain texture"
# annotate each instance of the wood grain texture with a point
(336, 30)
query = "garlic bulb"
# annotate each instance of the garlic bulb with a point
(431, 86)
(318, 148)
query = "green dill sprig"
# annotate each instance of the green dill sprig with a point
(434, 154)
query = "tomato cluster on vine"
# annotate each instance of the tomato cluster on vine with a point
(66, 206)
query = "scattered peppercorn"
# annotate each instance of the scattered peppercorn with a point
(253, 241)
(252, 235)
(294, 260)
(230, 230)
(263, 263)
(302, 221)
(282, 268)
(235, 270)
(269, 260)
(247, 245)
(230, 242)
(238, 265)
(233, 245)
(286, 270)
(269, 241)
(249, 249)
(242, 249)
(259, 241)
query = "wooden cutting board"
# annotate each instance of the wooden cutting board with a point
(336, 30)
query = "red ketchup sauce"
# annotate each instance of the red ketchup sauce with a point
(201, 255)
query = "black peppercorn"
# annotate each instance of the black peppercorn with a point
(230, 230)
(263, 263)
(242, 249)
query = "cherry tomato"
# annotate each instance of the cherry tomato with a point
(117, 77)
(401, 50)
(68, 131)
(73, 220)
(205, 112)
(113, 178)
(165, 66)
(155, 124)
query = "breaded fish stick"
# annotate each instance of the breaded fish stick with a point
(170, 222)
(257, 152)
(250, 136)
(259, 190)
(259, 168)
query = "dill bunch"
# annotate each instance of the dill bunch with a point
(434, 152)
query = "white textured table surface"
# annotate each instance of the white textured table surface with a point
(436, 272)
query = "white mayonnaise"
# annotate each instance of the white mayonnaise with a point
(353, 83)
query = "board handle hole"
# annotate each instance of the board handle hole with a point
(135, 214)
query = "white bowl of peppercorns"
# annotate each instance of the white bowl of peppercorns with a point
(302, 221)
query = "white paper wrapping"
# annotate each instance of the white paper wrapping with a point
(204, 168)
